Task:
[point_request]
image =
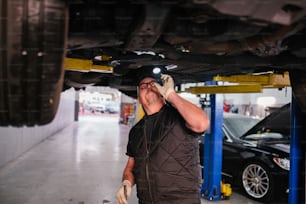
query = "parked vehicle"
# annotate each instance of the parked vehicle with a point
(95, 106)
(256, 153)
(112, 108)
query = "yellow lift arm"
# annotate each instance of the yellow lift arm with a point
(245, 84)
(239, 88)
(84, 65)
(266, 80)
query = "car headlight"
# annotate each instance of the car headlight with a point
(283, 163)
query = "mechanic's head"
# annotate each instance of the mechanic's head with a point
(148, 94)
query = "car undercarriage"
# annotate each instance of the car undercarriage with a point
(194, 39)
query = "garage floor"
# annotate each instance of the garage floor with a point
(82, 164)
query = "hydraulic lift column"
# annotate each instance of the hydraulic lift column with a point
(296, 157)
(211, 187)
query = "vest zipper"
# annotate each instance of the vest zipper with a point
(147, 162)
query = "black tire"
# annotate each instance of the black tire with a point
(257, 182)
(32, 44)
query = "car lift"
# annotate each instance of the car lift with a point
(212, 188)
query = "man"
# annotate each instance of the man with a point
(163, 146)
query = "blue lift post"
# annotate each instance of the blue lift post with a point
(297, 122)
(211, 187)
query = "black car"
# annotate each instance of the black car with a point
(256, 153)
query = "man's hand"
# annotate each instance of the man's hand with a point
(168, 86)
(124, 192)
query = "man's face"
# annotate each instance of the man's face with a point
(148, 93)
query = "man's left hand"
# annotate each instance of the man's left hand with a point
(168, 86)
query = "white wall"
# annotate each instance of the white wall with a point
(16, 141)
(282, 96)
(248, 103)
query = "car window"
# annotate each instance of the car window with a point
(239, 125)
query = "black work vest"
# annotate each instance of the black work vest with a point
(167, 170)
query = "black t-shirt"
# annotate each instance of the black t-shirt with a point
(150, 123)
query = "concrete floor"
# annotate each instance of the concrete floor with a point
(82, 164)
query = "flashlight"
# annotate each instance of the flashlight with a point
(157, 73)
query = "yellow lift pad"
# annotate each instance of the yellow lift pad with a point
(83, 65)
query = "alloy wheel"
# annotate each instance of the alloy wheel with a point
(255, 180)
